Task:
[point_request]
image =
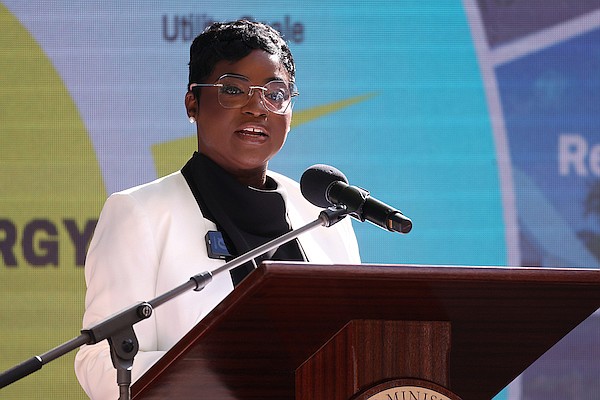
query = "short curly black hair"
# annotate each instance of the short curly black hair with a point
(233, 41)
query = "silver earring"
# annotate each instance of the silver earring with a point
(192, 120)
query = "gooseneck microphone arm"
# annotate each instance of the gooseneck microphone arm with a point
(118, 328)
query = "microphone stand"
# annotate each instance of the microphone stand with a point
(118, 328)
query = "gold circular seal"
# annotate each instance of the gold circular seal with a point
(408, 393)
(407, 389)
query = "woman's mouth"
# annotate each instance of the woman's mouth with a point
(252, 132)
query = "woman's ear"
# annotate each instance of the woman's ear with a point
(191, 105)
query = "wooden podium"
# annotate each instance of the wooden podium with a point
(305, 331)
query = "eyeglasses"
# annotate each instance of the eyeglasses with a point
(235, 92)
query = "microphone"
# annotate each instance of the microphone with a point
(326, 186)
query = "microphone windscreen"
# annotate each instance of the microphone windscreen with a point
(315, 182)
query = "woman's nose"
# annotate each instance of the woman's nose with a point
(256, 103)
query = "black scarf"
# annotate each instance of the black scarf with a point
(247, 217)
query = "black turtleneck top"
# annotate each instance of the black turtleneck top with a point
(247, 217)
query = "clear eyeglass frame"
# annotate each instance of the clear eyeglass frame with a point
(235, 92)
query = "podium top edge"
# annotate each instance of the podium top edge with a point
(582, 276)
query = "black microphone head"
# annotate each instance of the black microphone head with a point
(315, 182)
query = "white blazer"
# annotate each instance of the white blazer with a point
(150, 239)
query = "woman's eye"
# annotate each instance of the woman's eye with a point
(277, 95)
(231, 90)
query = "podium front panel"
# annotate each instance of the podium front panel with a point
(249, 347)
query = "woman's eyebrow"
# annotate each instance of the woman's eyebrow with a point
(245, 78)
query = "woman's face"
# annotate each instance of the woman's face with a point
(242, 140)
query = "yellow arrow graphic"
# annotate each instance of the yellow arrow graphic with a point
(172, 155)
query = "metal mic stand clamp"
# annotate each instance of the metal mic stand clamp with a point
(124, 345)
(332, 215)
(123, 348)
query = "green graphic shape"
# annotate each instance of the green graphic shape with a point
(50, 175)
